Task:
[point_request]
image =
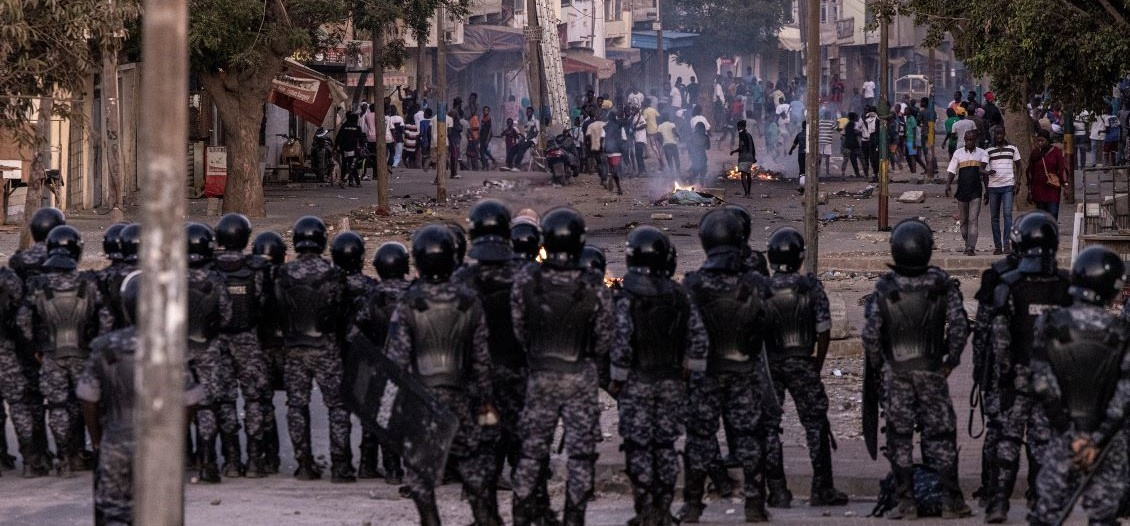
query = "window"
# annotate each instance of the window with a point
(613, 10)
(519, 6)
(829, 11)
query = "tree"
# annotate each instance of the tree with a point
(728, 28)
(237, 47)
(49, 49)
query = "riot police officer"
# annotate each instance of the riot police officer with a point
(660, 339)
(348, 254)
(239, 340)
(372, 320)
(208, 306)
(984, 387)
(1035, 286)
(593, 257)
(754, 259)
(460, 235)
(60, 314)
(15, 387)
(491, 277)
(111, 276)
(525, 236)
(1081, 377)
(438, 332)
(562, 316)
(730, 297)
(800, 323)
(915, 331)
(268, 253)
(311, 296)
(27, 262)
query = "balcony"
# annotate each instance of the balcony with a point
(645, 14)
(845, 29)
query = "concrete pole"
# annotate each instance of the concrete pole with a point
(812, 162)
(380, 168)
(158, 465)
(441, 106)
(884, 111)
(537, 69)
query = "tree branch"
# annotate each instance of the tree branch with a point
(1114, 13)
(1068, 4)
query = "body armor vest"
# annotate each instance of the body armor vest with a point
(305, 308)
(114, 293)
(1029, 297)
(789, 313)
(117, 388)
(270, 319)
(730, 316)
(1087, 364)
(65, 314)
(660, 313)
(504, 347)
(442, 332)
(381, 305)
(7, 302)
(915, 325)
(203, 314)
(559, 321)
(240, 281)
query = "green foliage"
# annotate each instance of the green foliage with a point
(728, 27)
(1074, 50)
(53, 44)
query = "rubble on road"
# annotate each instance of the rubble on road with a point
(688, 196)
(912, 196)
(865, 193)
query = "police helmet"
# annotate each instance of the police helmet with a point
(309, 235)
(786, 249)
(648, 249)
(201, 243)
(131, 295)
(131, 242)
(391, 261)
(433, 250)
(563, 234)
(270, 245)
(593, 257)
(1097, 276)
(348, 251)
(912, 244)
(64, 248)
(743, 215)
(460, 237)
(112, 241)
(490, 231)
(525, 237)
(1035, 238)
(721, 230)
(43, 220)
(233, 232)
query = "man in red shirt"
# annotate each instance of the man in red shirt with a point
(1047, 175)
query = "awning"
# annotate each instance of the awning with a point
(480, 39)
(305, 92)
(789, 38)
(671, 39)
(629, 55)
(583, 61)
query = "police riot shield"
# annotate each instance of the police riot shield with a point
(397, 408)
(770, 404)
(872, 392)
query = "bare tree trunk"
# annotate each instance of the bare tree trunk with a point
(158, 465)
(111, 132)
(704, 70)
(421, 57)
(380, 170)
(441, 104)
(39, 165)
(1018, 127)
(239, 101)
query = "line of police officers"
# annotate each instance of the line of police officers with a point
(512, 347)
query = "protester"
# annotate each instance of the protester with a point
(1046, 175)
(1004, 164)
(968, 165)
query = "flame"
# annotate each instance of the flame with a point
(765, 176)
(759, 173)
(681, 187)
(610, 281)
(734, 174)
(541, 255)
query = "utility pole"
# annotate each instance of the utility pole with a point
(111, 125)
(659, 52)
(533, 49)
(441, 106)
(380, 168)
(884, 108)
(812, 162)
(158, 464)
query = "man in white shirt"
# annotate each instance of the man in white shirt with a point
(1004, 164)
(968, 165)
(697, 118)
(394, 138)
(869, 143)
(868, 92)
(636, 97)
(676, 97)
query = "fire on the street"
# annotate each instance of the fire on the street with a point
(610, 281)
(759, 173)
(541, 255)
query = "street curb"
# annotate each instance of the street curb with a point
(955, 264)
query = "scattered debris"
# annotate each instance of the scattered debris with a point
(501, 184)
(688, 196)
(866, 193)
(661, 216)
(822, 198)
(912, 196)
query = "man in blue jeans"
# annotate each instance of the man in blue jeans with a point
(1004, 164)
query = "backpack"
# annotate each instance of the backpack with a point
(928, 493)
(426, 134)
(1113, 130)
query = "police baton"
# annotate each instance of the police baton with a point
(1086, 482)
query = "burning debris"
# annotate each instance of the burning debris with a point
(612, 282)
(759, 173)
(687, 195)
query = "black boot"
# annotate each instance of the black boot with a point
(341, 471)
(484, 508)
(271, 460)
(779, 494)
(755, 509)
(661, 506)
(7, 461)
(209, 471)
(307, 470)
(36, 466)
(429, 513)
(907, 508)
(997, 510)
(643, 504)
(693, 490)
(367, 464)
(233, 465)
(722, 482)
(524, 511)
(574, 514)
(255, 463)
(394, 470)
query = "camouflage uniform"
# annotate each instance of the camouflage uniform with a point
(110, 281)
(207, 363)
(1020, 416)
(728, 389)
(28, 262)
(239, 346)
(14, 385)
(983, 379)
(373, 316)
(916, 394)
(793, 368)
(271, 340)
(461, 389)
(107, 380)
(1059, 476)
(62, 361)
(654, 396)
(311, 358)
(566, 388)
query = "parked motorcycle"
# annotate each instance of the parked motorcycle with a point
(322, 155)
(562, 161)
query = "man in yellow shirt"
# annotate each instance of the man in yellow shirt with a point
(651, 119)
